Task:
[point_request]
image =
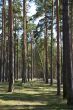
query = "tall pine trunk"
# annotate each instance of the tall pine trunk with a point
(58, 56)
(46, 50)
(3, 42)
(15, 50)
(11, 51)
(31, 55)
(64, 48)
(24, 49)
(68, 49)
(51, 71)
(17, 72)
(28, 60)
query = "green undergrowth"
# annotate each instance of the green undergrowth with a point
(34, 95)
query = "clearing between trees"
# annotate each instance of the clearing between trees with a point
(33, 95)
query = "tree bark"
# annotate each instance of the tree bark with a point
(11, 51)
(46, 50)
(67, 37)
(58, 59)
(24, 50)
(51, 78)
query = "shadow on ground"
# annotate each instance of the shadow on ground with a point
(43, 97)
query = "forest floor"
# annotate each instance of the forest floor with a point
(31, 96)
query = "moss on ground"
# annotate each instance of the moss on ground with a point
(33, 95)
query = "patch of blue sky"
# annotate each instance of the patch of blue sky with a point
(32, 11)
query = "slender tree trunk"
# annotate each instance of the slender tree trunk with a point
(3, 35)
(17, 60)
(46, 50)
(51, 78)
(24, 51)
(0, 69)
(15, 51)
(1, 60)
(28, 60)
(58, 59)
(2, 42)
(65, 10)
(31, 55)
(7, 61)
(61, 64)
(61, 39)
(11, 51)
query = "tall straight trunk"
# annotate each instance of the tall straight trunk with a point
(46, 50)
(15, 51)
(2, 43)
(68, 49)
(31, 58)
(7, 51)
(0, 69)
(7, 61)
(69, 53)
(11, 51)
(31, 55)
(61, 39)
(24, 50)
(61, 64)
(28, 60)
(17, 75)
(51, 74)
(65, 29)
(3, 37)
(58, 56)
(1, 58)
(33, 62)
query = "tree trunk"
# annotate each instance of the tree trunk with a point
(64, 49)
(51, 78)
(3, 41)
(17, 60)
(11, 51)
(46, 51)
(58, 59)
(28, 60)
(24, 50)
(31, 55)
(15, 51)
(68, 49)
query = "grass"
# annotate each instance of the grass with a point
(31, 96)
